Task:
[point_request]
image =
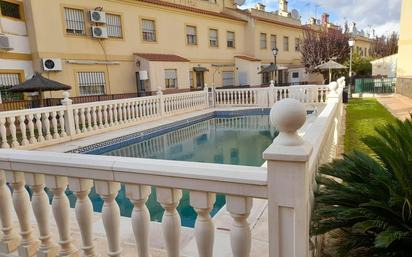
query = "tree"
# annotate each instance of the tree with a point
(365, 201)
(385, 45)
(321, 46)
(361, 66)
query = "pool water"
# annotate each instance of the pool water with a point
(233, 140)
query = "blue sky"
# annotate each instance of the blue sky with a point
(382, 15)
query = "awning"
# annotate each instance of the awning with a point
(200, 69)
(271, 68)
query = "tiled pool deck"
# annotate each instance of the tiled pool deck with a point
(258, 217)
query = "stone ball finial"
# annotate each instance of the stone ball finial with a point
(272, 83)
(66, 95)
(333, 86)
(287, 116)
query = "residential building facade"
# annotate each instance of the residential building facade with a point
(404, 66)
(125, 46)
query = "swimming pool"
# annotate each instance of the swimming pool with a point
(226, 139)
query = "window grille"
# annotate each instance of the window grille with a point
(228, 78)
(213, 38)
(149, 30)
(263, 44)
(114, 25)
(191, 35)
(230, 39)
(74, 21)
(273, 43)
(171, 78)
(286, 43)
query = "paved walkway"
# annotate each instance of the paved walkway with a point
(400, 106)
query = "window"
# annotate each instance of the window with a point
(286, 43)
(149, 30)
(228, 78)
(213, 37)
(230, 39)
(263, 44)
(171, 78)
(191, 79)
(7, 80)
(295, 75)
(91, 83)
(297, 44)
(11, 10)
(74, 21)
(114, 25)
(265, 78)
(191, 35)
(273, 43)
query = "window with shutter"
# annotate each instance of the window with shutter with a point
(191, 35)
(114, 25)
(263, 44)
(171, 78)
(228, 78)
(91, 83)
(74, 21)
(149, 30)
(213, 38)
(230, 39)
(8, 80)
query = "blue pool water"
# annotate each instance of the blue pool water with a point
(232, 140)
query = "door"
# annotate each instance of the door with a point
(140, 85)
(200, 79)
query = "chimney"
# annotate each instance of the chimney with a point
(283, 5)
(313, 21)
(260, 7)
(325, 19)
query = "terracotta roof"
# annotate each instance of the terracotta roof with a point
(277, 22)
(162, 57)
(192, 9)
(248, 58)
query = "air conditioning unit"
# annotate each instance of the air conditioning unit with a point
(4, 43)
(97, 16)
(52, 64)
(99, 32)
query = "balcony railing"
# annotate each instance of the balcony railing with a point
(287, 182)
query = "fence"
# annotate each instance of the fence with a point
(287, 183)
(375, 85)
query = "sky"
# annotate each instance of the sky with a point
(382, 15)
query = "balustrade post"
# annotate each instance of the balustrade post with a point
(271, 91)
(169, 199)
(61, 209)
(3, 133)
(22, 119)
(41, 210)
(203, 203)
(110, 215)
(138, 195)
(240, 235)
(84, 213)
(206, 90)
(288, 182)
(21, 201)
(10, 240)
(161, 102)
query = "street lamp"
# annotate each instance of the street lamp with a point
(351, 43)
(275, 51)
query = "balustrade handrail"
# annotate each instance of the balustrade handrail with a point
(31, 111)
(218, 178)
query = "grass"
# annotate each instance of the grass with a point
(362, 116)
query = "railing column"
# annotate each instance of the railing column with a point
(271, 90)
(240, 235)
(21, 201)
(41, 210)
(61, 209)
(161, 102)
(169, 198)
(288, 182)
(10, 240)
(84, 213)
(203, 202)
(110, 215)
(138, 195)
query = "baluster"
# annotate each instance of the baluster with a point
(54, 124)
(105, 117)
(3, 133)
(132, 111)
(240, 236)
(62, 124)
(61, 209)
(94, 118)
(110, 215)
(76, 120)
(10, 240)
(46, 124)
(41, 210)
(89, 118)
(115, 114)
(121, 121)
(39, 127)
(84, 213)
(127, 112)
(169, 199)
(30, 124)
(22, 119)
(99, 113)
(138, 195)
(203, 202)
(138, 111)
(21, 201)
(13, 130)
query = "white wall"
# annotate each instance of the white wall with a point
(247, 72)
(303, 76)
(27, 66)
(385, 66)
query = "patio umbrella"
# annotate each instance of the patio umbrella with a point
(330, 65)
(38, 83)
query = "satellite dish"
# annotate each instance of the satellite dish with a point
(240, 2)
(295, 14)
